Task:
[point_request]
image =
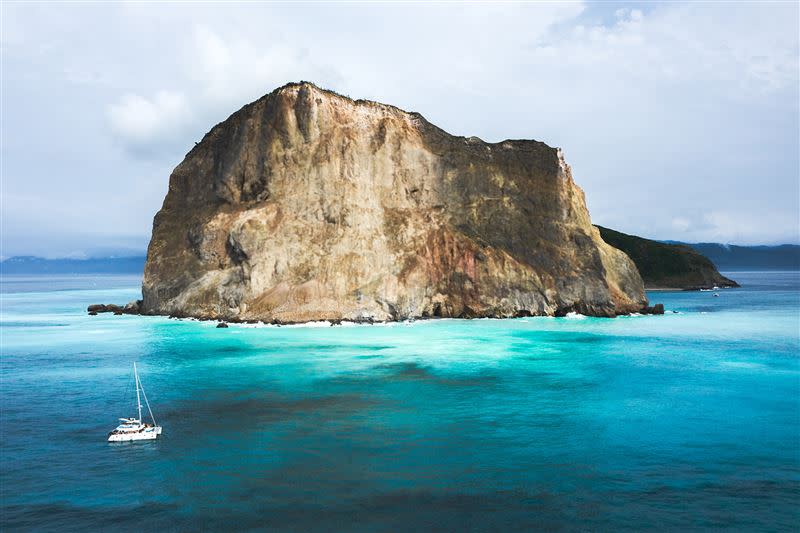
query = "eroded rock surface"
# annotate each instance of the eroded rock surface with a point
(306, 205)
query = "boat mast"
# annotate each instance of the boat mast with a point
(138, 400)
(148, 407)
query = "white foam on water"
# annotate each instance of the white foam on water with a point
(316, 324)
(743, 365)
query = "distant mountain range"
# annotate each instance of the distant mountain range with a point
(725, 257)
(731, 257)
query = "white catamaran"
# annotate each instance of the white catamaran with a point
(133, 428)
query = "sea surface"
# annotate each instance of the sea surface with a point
(687, 421)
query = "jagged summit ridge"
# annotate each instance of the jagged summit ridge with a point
(308, 205)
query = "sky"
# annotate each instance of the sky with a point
(680, 120)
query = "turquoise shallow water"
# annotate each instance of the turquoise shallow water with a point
(685, 421)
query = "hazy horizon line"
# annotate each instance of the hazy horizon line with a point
(127, 253)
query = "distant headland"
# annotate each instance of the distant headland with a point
(665, 266)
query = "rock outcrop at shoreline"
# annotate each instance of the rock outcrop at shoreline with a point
(131, 308)
(306, 205)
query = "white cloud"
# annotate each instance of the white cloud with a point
(747, 45)
(230, 71)
(140, 121)
(681, 224)
(224, 62)
(680, 119)
(221, 75)
(749, 228)
(729, 227)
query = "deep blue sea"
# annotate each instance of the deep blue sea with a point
(687, 421)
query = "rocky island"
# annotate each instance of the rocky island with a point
(307, 205)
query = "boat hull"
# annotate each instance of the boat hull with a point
(146, 434)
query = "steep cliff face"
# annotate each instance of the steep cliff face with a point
(306, 205)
